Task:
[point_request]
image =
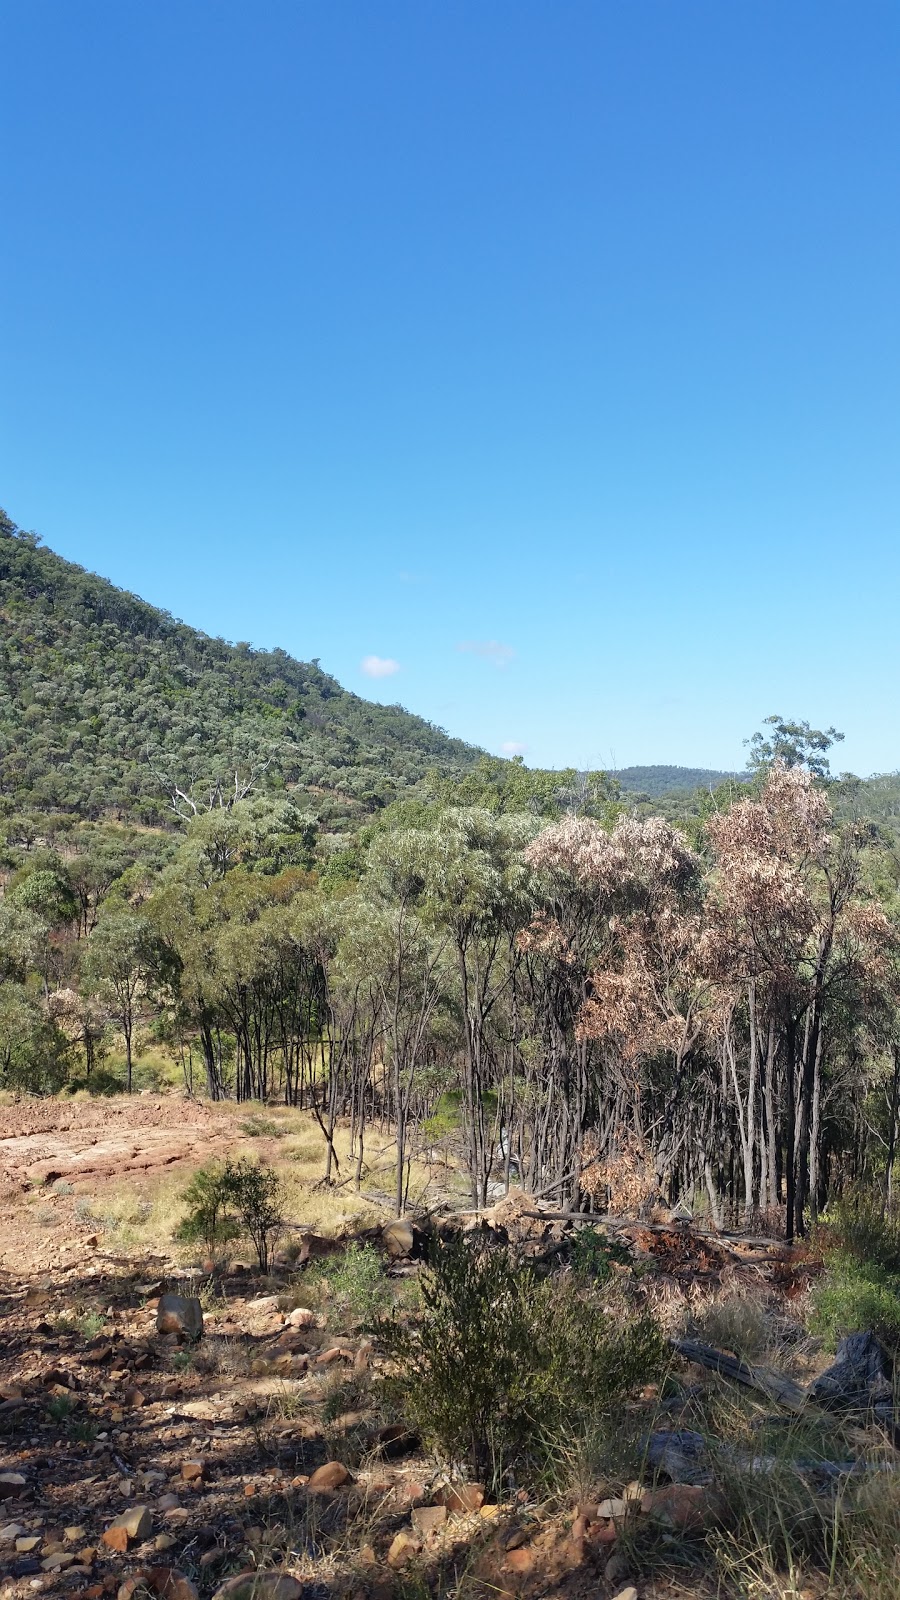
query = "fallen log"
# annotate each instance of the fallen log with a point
(769, 1381)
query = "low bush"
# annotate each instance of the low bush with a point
(238, 1197)
(857, 1225)
(800, 1527)
(501, 1368)
(256, 1192)
(860, 1287)
(595, 1254)
(852, 1296)
(354, 1283)
(208, 1222)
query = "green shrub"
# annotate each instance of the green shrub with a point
(257, 1127)
(503, 1369)
(594, 1254)
(60, 1408)
(858, 1226)
(860, 1287)
(240, 1197)
(852, 1297)
(207, 1197)
(356, 1284)
(257, 1195)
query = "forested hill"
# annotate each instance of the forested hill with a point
(107, 702)
(668, 780)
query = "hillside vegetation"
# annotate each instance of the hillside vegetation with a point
(106, 704)
(657, 780)
(432, 978)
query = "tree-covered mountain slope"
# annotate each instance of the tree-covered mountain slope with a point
(666, 780)
(107, 704)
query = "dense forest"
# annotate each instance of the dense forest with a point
(295, 894)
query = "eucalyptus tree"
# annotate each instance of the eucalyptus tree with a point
(121, 963)
(404, 952)
(478, 889)
(791, 923)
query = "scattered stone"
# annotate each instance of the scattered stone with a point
(291, 1339)
(265, 1302)
(260, 1586)
(192, 1471)
(428, 1519)
(519, 1560)
(28, 1543)
(58, 1560)
(331, 1476)
(181, 1315)
(168, 1502)
(11, 1532)
(627, 1594)
(688, 1507)
(73, 1535)
(403, 1548)
(170, 1584)
(614, 1507)
(134, 1398)
(337, 1352)
(461, 1499)
(132, 1526)
(617, 1568)
(11, 1485)
(301, 1317)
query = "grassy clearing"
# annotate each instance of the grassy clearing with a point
(145, 1214)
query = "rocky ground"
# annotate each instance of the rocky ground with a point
(53, 1150)
(138, 1459)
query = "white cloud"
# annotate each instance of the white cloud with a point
(512, 747)
(379, 666)
(489, 649)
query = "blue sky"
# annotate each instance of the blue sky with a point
(547, 352)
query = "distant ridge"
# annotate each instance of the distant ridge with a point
(655, 781)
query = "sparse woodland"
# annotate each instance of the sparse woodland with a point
(581, 1003)
(586, 1001)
